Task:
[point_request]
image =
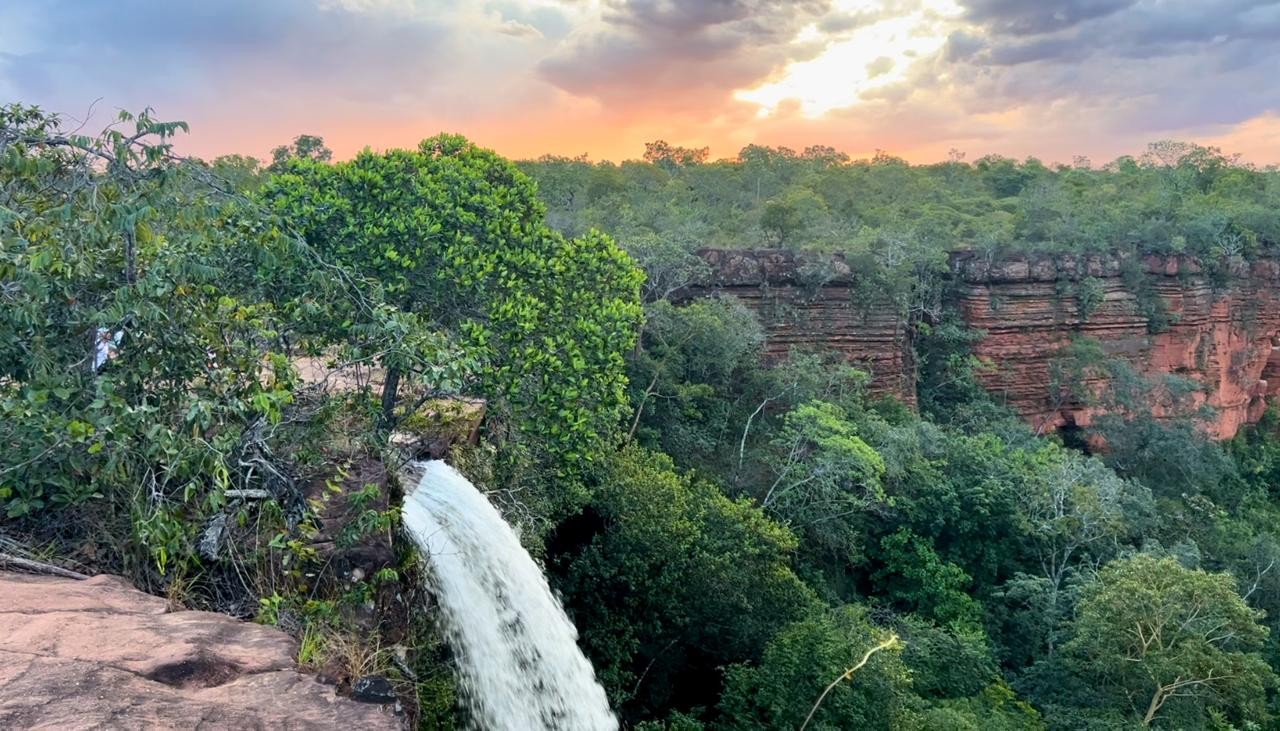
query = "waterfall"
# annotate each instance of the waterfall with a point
(517, 652)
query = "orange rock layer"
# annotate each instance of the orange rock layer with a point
(1222, 336)
(1219, 336)
(806, 309)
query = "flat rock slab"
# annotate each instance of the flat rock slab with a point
(99, 654)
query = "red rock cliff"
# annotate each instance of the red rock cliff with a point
(803, 306)
(1029, 309)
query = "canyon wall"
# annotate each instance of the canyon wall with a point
(1164, 315)
(820, 306)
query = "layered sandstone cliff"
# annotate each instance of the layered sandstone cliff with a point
(1164, 315)
(816, 303)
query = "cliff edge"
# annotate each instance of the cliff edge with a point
(1162, 314)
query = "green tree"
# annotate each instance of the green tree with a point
(689, 360)
(668, 580)
(799, 664)
(1078, 512)
(244, 174)
(787, 216)
(456, 235)
(825, 474)
(915, 578)
(1168, 645)
(144, 360)
(303, 147)
(669, 156)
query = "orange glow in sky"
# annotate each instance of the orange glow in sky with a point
(917, 78)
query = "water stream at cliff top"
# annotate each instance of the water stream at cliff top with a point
(518, 657)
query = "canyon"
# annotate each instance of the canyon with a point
(1164, 315)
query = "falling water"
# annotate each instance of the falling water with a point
(517, 652)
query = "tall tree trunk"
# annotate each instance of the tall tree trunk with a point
(130, 257)
(1157, 700)
(390, 388)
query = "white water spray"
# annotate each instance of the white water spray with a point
(517, 652)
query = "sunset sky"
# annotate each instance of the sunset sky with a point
(917, 78)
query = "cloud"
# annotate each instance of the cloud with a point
(672, 54)
(879, 67)
(1048, 77)
(516, 29)
(1173, 66)
(1020, 17)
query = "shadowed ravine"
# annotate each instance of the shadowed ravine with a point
(518, 657)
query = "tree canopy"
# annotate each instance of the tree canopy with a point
(744, 537)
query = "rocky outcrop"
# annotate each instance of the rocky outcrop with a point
(98, 654)
(817, 303)
(1164, 315)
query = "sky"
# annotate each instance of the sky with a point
(921, 79)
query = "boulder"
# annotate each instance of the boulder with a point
(99, 654)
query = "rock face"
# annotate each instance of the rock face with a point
(98, 654)
(1218, 331)
(817, 303)
(1220, 337)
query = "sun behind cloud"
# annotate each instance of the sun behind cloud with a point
(875, 55)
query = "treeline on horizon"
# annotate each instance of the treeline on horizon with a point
(1175, 198)
(730, 537)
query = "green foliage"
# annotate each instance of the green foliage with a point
(947, 662)
(1177, 198)
(1256, 452)
(788, 215)
(1170, 643)
(201, 298)
(996, 708)
(668, 580)
(915, 578)
(139, 248)
(825, 473)
(1089, 295)
(1151, 304)
(801, 661)
(671, 157)
(947, 386)
(303, 147)
(456, 236)
(689, 357)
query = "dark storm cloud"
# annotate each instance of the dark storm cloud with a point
(962, 46)
(1124, 29)
(1153, 65)
(1022, 17)
(661, 52)
(187, 50)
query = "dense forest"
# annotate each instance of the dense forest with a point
(741, 543)
(1174, 198)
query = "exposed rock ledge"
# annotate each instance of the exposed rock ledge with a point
(1223, 332)
(99, 654)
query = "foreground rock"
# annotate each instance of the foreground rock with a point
(98, 654)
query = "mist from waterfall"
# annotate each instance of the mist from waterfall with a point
(517, 652)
